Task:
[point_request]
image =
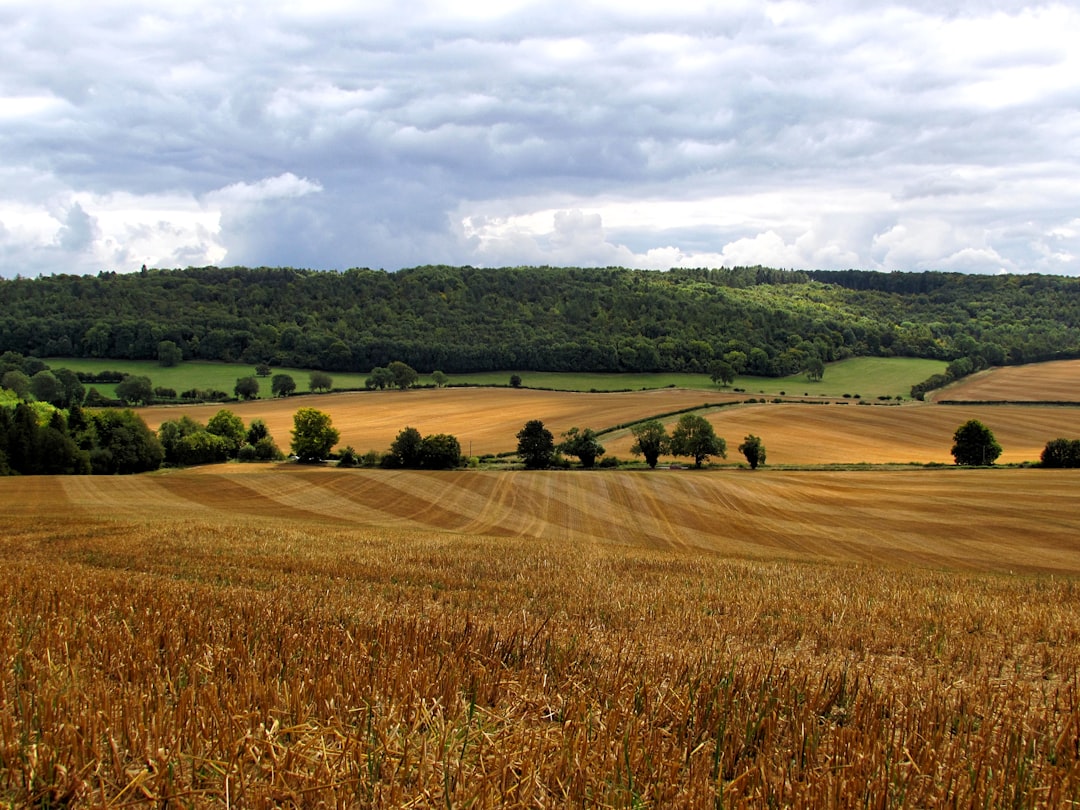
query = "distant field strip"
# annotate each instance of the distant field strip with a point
(486, 420)
(1058, 381)
(877, 434)
(1011, 519)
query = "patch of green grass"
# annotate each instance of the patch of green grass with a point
(870, 377)
(198, 374)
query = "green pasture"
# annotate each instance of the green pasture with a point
(198, 374)
(867, 377)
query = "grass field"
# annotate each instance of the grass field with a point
(280, 636)
(868, 376)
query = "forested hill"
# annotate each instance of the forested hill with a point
(460, 319)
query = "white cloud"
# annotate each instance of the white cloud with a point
(885, 135)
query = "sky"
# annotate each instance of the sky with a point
(839, 134)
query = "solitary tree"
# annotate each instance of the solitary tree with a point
(515, 381)
(694, 436)
(262, 370)
(722, 373)
(754, 451)
(536, 445)
(974, 445)
(281, 385)
(583, 444)
(246, 388)
(404, 375)
(439, 378)
(815, 369)
(652, 441)
(320, 381)
(313, 435)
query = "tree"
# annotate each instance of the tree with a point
(754, 451)
(815, 369)
(651, 441)
(256, 430)
(172, 432)
(16, 381)
(281, 385)
(380, 378)
(439, 378)
(722, 373)
(169, 354)
(46, 388)
(536, 445)
(404, 375)
(440, 451)
(974, 445)
(122, 443)
(405, 450)
(694, 436)
(135, 390)
(1061, 453)
(229, 427)
(313, 435)
(583, 444)
(246, 388)
(262, 370)
(320, 381)
(74, 390)
(515, 381)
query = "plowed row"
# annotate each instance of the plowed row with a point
(986, 519)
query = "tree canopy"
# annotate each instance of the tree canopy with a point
(651, 441)
(536, 445)
(465, 319)
(313, 435)
(694, 436)
(974, 445)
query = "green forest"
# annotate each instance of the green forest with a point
(764, 321)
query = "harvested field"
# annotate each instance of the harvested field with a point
(242, 636)
(1003, 520)
(798, 434)
(1058, 381)
(485, 419)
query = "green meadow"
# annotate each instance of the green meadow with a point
(867, 377)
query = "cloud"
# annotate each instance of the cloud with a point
(885, 135)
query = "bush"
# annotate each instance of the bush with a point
(1061, 453)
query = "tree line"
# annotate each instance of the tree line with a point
(467, 319)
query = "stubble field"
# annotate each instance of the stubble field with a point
(1058, 381)
(274, 635)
